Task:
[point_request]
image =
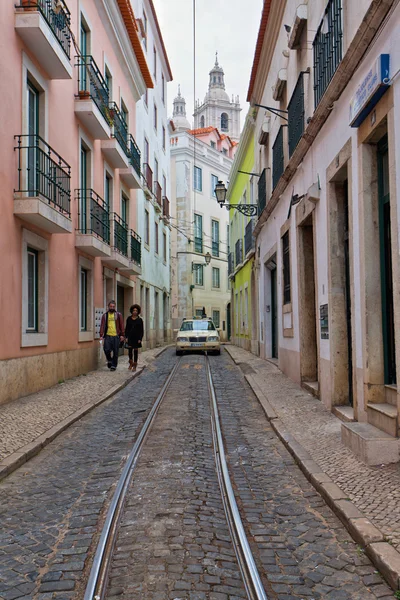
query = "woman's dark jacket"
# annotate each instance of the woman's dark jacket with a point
(134, 331)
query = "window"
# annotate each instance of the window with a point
(155, 117)
(108, 80)
(215, 237)
(214, 181)
(215, 277)
(164, 247)
(164, 185)
(83, 300)
(145, 29)
(84, 187)
(146, 151)
(328, 48)
(124, 208)
(296, 115)
(146, 97)
(198, 179)
(224, 151)
(215, 318)
(156, 248)
(213, 145)
(198, 275)
(199, 313)
(155, 169)
(124, 112)
(163, 88)
(198, 233)
(155, 62)
(84, 47)
(33, 290)
(278, 158)
(146, 227)
(224, 122)
(163, 138)
(202, 121)
(107, 191)
(286, 268)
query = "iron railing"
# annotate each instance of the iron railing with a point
(157, 193)
(262, 192)
(296, 115)
(120, 235)
(43, 172)
(238, 252)
(136, 248)
(148, 176)
(135, 154)
(328, 48)
(249, 241)
(91, 83)
(165, 207)
(98, 219)
(57, 17)
(278, 157)
(231, 264)
(120, 132)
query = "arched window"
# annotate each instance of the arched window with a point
(202, 121)
(214, 79)
(219, 79)
(224, 122)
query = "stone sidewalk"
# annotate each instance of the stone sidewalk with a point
(366, 498)
(30, 423)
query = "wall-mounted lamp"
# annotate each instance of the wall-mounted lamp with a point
(197, 266)
(250, 210)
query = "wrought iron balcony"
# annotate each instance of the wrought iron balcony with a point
(231, 265)
(165, 207)
(296, 114)
(120, 132)
(134, 154)
(93, 215)
(91, 84)
(158, 193)
(148, 176)
(249, 241)
(238, 252)
(278, 158)
(136, 248)
(328, 48)
(120, 235)
(262, 192)
(56, 15)
(43, 172)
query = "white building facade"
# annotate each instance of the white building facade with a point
(153, 208)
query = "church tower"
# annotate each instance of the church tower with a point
(217, 110)
(179, 114)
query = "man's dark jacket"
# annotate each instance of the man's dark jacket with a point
(119, 324)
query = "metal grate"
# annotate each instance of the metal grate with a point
(296, 115)
(136, 248)
(135, 154)
(120, 132)
(92, 83)
(148, 176)
(99, 220)
(238, 252)
(120, 235)
(262, 192)
(249, 241)
(158, 193)
(278, 157)
(231, 264)
(328, 48)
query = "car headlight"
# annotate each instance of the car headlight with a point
(181, 339)
(212, 338)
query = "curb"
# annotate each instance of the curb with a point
(15, 460)
(382, 555)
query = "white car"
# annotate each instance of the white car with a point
(197, 334)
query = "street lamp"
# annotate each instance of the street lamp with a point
(250, 210)
(207, 258)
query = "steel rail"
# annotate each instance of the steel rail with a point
(96, 586)
(251, 578)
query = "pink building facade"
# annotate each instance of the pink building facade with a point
(72, 75)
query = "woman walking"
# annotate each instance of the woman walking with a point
(134, 335)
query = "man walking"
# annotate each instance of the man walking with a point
(112, 333)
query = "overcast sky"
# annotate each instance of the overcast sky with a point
(227, 26)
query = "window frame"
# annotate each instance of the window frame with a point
(286, 279)
(40, 337)
(199, 275)
(198, 220)
(35, 253)
(156, 238)
(216, 278)
(213, 312)
(215, 242)
(197, 178)
(146, 240)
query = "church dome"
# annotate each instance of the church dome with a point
(179, 114)
(216, 86)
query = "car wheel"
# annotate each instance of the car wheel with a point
(217, 352)
(179, 353)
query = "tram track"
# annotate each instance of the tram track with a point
(96, 588)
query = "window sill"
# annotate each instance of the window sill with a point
(288, 333)
(287, 308)
(86, 336)
(34, 339)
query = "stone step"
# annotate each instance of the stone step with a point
(383, 416)
(391, 394)
(370, 444)
(312, 387)
(344, 413)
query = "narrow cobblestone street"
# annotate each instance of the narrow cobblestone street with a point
(174, 540)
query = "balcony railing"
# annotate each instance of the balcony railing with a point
(135, 154)
(120, 235)
(262, 192)
(57, 16)
(328, 48)
(43, 172)
(148, 176)
(278, 158)
(249, 241)
(158, 192)
(165, 207)
(296, 114)
(136, 248)
(231, 265)
(91, 83)
(238, 252)
(120, 132)
(98, 222)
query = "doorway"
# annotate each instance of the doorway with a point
(165, 316)
(347, 290)
(121, 307)
(228, 321)
(274, 313)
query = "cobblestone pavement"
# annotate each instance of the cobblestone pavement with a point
(374, 490)
(51, 506)
(25, 419)
(174, 541)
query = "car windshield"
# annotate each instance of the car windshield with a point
(198, 326)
